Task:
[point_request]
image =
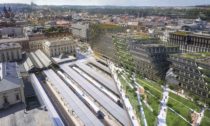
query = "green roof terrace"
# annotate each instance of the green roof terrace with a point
(183, 33)
(202, 57)
(195, 56)
(137, 35)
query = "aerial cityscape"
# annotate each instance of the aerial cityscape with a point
(105, 63)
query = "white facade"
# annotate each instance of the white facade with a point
(11, 85)
(56, 47)
(35, 45)
(10, 52)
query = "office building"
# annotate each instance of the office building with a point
(193, 72)
(151, 59)
(190, 42)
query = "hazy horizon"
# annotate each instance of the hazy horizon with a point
(115, 2)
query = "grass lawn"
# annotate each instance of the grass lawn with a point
(206, 119)
(179, 108)
(207, 113)
(173, 120)
(154, 103)
(154, 84)
(123, 82)
(150, 117)
(188, 103)
(151, 89)
(132, 97)
(179, 104)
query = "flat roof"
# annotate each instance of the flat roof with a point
(9, 76)
(13, 40)
(16, 116)
(194, 55)
(108, 83)
(115, 110)
(4, 46)
(80, 109)
(63, 60)
(42, 96)
(94, 62)
(202, 57)
(59, 41)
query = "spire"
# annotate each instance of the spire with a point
(9, 10)
(5, 10)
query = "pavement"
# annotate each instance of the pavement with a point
(163, 110)
(18, 116)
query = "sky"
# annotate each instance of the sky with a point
(114, 2)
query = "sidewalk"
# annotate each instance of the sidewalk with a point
(163, 110)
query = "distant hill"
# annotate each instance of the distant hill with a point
(16, 7)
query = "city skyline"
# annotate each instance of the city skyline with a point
(116, 2)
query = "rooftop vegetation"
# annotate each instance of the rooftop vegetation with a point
(106, 26)
(183, 33)
(194, 56)
(206, 119)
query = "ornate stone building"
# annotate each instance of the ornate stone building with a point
(10, 52)
(11, 85)
(56, 47)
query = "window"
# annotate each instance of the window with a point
(5, 99)
(17, 97)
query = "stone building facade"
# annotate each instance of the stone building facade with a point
(56, 47)
(11, 85)
(10, 52)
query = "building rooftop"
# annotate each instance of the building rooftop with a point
(10, 40)
(185, 33)
(56, 42)
(195, 56)
(9, 76)
(4, 46)
(65, 59)
(15, 116)
(203, 57)
(116, 111)
(135, 36)
(108, 83)
(181, 33)
(37, 59)
(72, 101)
